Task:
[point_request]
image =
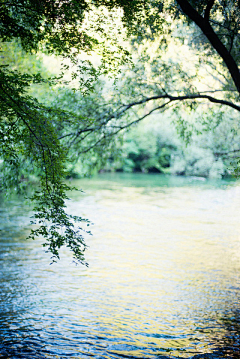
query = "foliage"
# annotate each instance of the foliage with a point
(32, 128)
(28, 131)
(154, 146)
(147, 148)
(47, 124)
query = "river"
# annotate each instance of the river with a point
(163, 279)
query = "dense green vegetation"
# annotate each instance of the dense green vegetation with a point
(156, 147)
(115, 64)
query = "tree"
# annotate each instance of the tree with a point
(30, 129)
(42, 132)
(213, 27)
(212, 30)
(209, 32)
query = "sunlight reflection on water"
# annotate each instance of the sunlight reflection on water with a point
(163, 280)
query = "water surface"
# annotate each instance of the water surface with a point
(162, 282)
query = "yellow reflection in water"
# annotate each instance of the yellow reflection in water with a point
(162, 261)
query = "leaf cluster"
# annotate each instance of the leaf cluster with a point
(47, 131)
(28, 131)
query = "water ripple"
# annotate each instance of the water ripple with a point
(163, 280)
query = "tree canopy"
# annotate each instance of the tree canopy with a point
(130, 39)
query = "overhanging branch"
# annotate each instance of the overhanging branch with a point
(180, 98)
(168, 101)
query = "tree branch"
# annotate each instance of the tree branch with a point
(208, 9)
(225, 153)
(181, 98)
(213, 39)
(141, 118)
(170, 100)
